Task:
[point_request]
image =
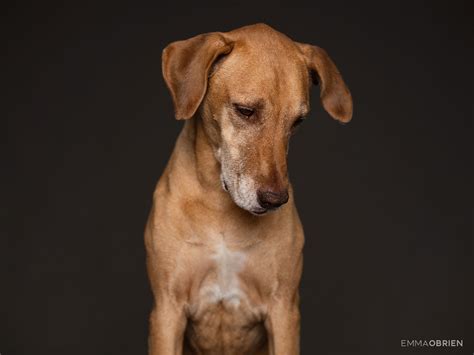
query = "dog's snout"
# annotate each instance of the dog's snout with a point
(270, 199)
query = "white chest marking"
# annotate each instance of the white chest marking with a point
(226, 287)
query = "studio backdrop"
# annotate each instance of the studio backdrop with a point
(385, 200)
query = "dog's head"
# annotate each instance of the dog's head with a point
(251, 89)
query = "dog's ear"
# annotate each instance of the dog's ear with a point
(335, 96)
(186, 66)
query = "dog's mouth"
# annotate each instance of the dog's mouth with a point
(259, 212)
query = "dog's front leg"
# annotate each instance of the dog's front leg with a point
(167, 326)
(283, 327)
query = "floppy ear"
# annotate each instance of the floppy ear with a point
(186, 65)
(335, 95)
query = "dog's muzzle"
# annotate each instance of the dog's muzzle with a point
(270, 200)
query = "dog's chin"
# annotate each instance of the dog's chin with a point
(256, 211)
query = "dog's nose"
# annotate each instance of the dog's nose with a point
(269, 199)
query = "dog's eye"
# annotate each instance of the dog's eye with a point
(245, 111)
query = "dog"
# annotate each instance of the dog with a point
(223, 238)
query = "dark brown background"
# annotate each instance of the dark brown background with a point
(385, 200)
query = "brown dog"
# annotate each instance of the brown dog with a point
(224, 272)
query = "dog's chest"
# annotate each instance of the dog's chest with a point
(223, 284)
(223, 313)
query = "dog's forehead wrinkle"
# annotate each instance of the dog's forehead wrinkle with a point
(249, 99)
(253, 60)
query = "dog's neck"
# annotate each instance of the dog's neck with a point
(206, 166)
(195, 161)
